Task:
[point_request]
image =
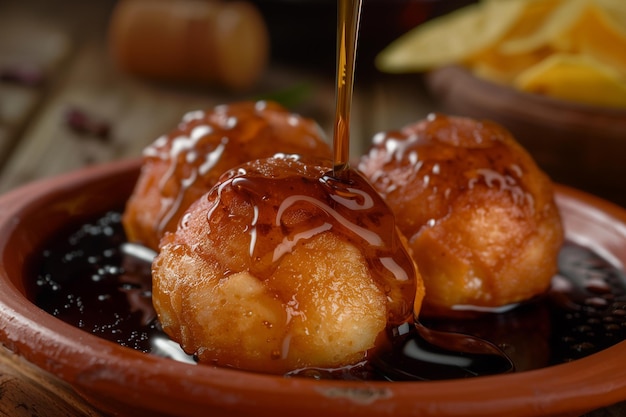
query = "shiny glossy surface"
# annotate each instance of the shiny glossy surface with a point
(119, 378)
(92, 278)
(279, 264)
(478, 213)
(279, 190)
(185, 163)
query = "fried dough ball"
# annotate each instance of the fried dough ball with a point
(281, 267)
(479, 214)
(181, 166)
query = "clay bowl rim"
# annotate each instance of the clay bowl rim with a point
(92, 365)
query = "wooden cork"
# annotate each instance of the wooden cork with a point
(190, 41)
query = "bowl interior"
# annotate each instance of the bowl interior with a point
(116, 378)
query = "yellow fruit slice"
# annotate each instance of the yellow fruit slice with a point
(615, 9)
(576, 78)
(495, 66)
(540, 23)
(598, 35)
(450, 38)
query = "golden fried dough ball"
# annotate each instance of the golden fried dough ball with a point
(181, 166)
(281, 267)
(479, 214)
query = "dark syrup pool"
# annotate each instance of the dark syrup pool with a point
(91, 278)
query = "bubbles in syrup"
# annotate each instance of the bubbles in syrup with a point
(568, 323)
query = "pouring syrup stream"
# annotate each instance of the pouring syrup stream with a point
(348, 17)
(415, 352)
(428, 354)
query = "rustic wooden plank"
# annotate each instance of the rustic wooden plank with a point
(136, 113)
(27, 391)
(16, 105)
(28, 43)
(136, 110)
(30, 54)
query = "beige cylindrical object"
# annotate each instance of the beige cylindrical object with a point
(198, 41)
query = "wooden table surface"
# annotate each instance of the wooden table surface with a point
(69, 70)
(78, 74)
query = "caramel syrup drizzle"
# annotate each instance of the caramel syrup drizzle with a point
(348, 17)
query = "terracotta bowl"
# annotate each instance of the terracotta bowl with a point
(122, 381)
(578, 145)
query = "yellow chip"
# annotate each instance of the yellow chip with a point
(450, 38)
(615, 9)
(540, 23)
(598, 35)
(495, 66)
(575, 78)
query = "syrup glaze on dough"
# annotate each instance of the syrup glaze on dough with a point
(479, 214)
(282, 267)
(181, 166)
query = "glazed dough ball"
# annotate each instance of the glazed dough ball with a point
(181, 166)
(479, 214)
(280, 268)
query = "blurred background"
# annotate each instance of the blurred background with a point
(87, 82)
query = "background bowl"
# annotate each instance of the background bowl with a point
(578, 145)
(122, 381)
